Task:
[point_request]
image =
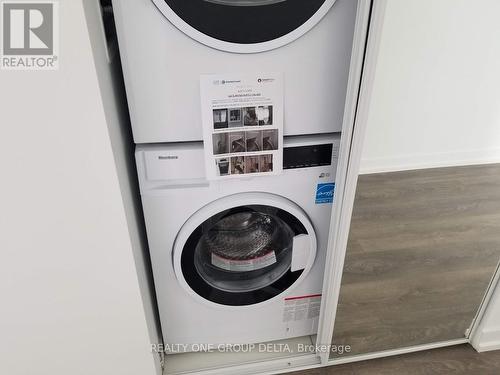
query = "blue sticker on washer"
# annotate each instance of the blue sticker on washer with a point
(325, 193)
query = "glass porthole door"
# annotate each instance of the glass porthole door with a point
(245, 254)
(244, 25)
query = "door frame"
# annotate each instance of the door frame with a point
(366, 42)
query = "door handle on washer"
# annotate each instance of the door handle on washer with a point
(301, 249)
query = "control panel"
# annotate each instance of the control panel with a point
(307, 156)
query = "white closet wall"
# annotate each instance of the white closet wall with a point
(70, 300)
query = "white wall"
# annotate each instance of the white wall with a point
(70, 300)
(436, 100)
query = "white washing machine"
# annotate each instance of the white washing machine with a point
(166, 45)
(237, 262)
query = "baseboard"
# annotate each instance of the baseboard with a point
(424, 161)
(487, 347)
(488, 340)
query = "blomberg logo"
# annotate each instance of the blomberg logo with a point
(30, 35)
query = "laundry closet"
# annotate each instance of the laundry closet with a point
(238, 111)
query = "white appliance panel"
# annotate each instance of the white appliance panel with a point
(169, 204)
(162, 68)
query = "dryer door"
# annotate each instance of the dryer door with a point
(244, 249)
(244, 26)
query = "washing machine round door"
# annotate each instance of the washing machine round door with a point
(244, 249)
(244, 26)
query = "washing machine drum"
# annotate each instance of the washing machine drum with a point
(244, 22)
(244, 251)
(243, 255)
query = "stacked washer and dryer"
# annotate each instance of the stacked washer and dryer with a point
(242, 260)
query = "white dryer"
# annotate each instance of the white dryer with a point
(237, 261)
(166, 45)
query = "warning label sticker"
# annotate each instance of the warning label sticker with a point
(244, 265)
(302, 307)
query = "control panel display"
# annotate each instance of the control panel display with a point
(307, 156)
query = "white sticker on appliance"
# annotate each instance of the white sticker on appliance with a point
(244, 265)
(301, 307)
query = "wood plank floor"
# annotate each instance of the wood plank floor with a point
(456, 360)
(422, 249)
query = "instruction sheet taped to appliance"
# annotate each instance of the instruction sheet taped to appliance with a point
(242, 117)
